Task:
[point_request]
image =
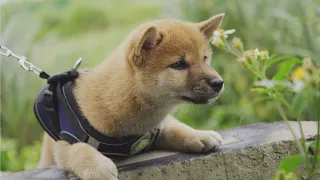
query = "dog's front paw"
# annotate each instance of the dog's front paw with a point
(84, 161)
(202, 141)
(103, 169)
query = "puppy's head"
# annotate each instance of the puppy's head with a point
(170, 60)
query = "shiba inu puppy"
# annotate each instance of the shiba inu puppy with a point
(160, 65)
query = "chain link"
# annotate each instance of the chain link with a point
(26, 65)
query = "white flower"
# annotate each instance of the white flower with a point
(223, 33)
(265, 83)
(271, 83)
(264, 55)
(307, 63)
(242, 59)
(237, 43)
(298, 85)
(228, 32)
(217, 34)
(256, 53)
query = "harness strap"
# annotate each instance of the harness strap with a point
(50, 105)
(85, 125)
(51, 98)
(78, 133)
(43, 115)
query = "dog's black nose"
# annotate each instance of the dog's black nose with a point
(216, 83)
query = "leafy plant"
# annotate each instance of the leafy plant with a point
(295, 86)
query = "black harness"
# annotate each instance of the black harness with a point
(58, 113)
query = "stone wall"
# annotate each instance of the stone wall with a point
(248, 152)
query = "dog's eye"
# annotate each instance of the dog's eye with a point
(205, 58)
(180, 65)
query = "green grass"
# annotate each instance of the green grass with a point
(54, 33)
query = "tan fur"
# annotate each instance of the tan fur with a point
(134, 90)
(46, 158)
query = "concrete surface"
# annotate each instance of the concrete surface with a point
(249, 152)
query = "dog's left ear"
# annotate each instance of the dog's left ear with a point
(146, 39)
(207, 27)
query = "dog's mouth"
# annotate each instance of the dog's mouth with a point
(201, 100)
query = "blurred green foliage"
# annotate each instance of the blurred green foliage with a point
(13, 159)
(54, 33)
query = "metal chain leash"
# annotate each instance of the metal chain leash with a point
(28, 66)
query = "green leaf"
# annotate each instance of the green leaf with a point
(285, 68)
(262, 90)
(274, 60)
(313, 147)
(300, 103)
(291, 163)
(281, 86)
(313, 158)
(318, 159)
(262, 99)
(314, 143)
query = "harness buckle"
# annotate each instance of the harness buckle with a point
(77, 64)
(63, 77)
(48, 100)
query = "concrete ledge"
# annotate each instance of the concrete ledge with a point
(249, 152)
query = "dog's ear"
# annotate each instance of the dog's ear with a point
(144, 41)
(208, 26)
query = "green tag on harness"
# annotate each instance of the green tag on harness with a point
(141, 144)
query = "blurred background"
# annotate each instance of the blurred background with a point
(52, 34)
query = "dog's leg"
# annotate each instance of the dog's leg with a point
(84, 161)
(178, 136)
(46, 157)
